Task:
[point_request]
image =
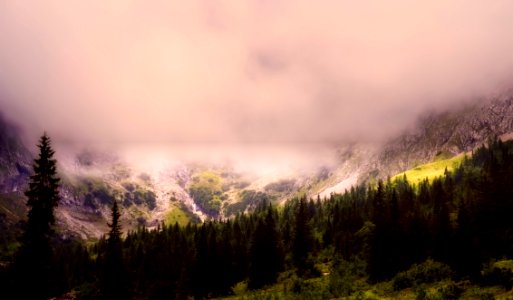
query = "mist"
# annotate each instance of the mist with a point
(245, 72)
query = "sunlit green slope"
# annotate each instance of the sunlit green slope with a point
(431, 170)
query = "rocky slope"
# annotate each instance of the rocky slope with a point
(151, 192)
(445, 134)
(15, 164)
(15, 159)
(436, 136)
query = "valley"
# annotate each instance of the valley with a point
(256, 150)
(349, 219)
(173, 183)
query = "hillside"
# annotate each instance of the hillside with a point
(446, 133)
(435, 136)
(439, 166)
(381, 240)
(171, 190)
(431, 170)
(448, 239)
(165, 190)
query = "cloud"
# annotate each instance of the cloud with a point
(245, 71)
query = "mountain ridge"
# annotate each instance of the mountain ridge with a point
(450, 132)
(92, 180)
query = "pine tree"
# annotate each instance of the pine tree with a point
(302, 243)
(378, 264)
(32, 267)
(113, 280)
(441, 224)
(115, 228)
(265, 253)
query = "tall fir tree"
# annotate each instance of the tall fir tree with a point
(32, 266)
(113, 280)
(378, 262)
(302, 243)
(265, 254)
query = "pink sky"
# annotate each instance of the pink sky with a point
(258, 71)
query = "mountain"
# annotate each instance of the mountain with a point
(446, 134)
(436, 136)
(15, 159)
(154, 188)
(149, 192)
(15, 166)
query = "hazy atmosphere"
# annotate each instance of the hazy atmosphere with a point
(256, 149)
(244, 71)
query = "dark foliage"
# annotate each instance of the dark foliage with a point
(113, 284)
(447, 228)
(33, 275)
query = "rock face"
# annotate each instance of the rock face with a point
(447, 133)
(443, 135)
(353, 164)
(92, 180)
(15, 160)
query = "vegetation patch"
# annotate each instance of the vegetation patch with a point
(176, 215)
(354, 246)
(499, 273)
(95, 193)
(427, 272)
(135, 194)
(207, 191)
(248, 198)
(432, 170)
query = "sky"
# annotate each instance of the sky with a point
(255, 71)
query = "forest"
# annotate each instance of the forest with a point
(457, 227)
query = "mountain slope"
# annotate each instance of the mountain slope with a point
(184, 191)
(15, 164)
(15, 159)
(447, 133)
(436, 136)
(431, 170)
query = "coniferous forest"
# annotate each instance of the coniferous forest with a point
(456, 227)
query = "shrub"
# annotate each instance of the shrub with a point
(426, 272)
(450, 291)
(343, 275)
(240, 288)
(500, 272)
(421, 293)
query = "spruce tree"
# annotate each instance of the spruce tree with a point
(32, 267)
(378, 264)
(265, 253)
(302, 243)
(114, 239)
(113, 280)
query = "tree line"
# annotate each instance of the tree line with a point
(461, 220)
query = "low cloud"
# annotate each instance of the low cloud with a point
(245, 71)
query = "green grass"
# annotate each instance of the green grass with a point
(207, 191)
(208, 178)
(318, 288)
(504, 264)
(176, 215)
(431, 170)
